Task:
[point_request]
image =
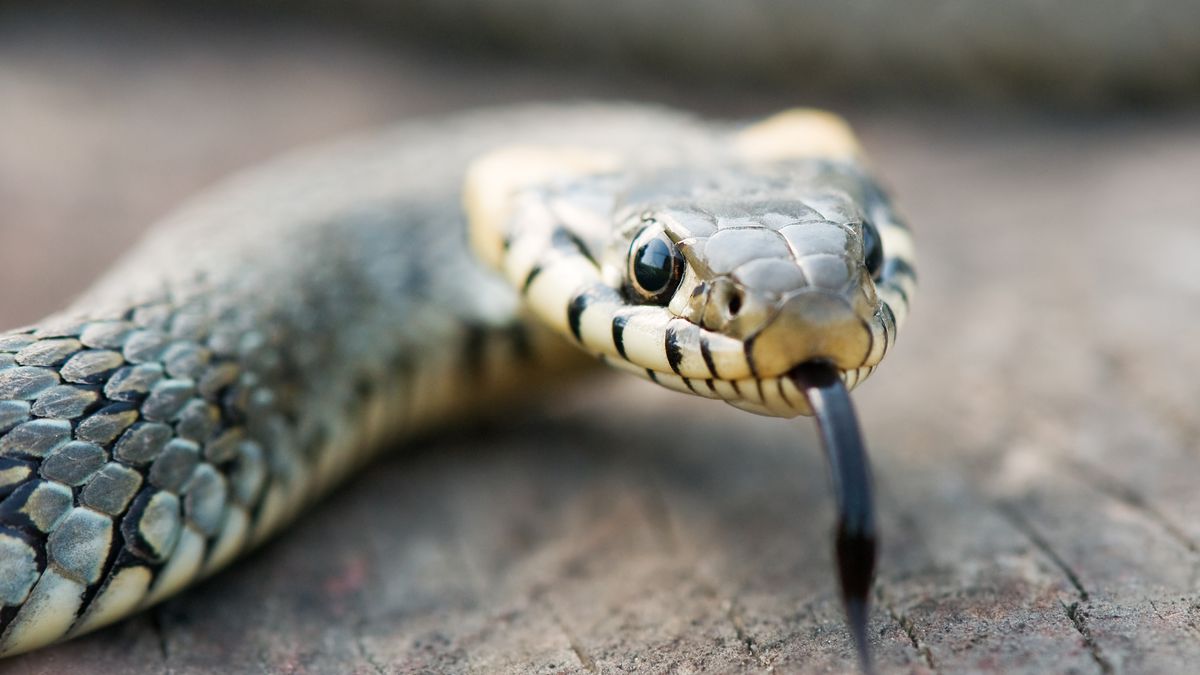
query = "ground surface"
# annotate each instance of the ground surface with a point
(1035, 433)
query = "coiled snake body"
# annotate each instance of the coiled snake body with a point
(267, 340)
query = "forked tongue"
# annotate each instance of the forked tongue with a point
(854, 538)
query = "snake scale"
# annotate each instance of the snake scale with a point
(269, 338)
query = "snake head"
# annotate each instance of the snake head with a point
(714, 272)
(779, 257)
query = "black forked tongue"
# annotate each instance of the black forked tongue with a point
(854, 538)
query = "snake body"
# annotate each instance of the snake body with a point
(271, 337)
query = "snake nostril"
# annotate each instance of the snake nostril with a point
(735, 303)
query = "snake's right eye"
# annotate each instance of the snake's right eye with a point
(872, 250)
(655, 266)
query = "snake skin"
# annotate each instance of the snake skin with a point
(255, 349)
(198, 396)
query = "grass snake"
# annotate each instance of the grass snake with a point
(272, 336)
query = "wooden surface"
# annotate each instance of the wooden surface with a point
(1035, 433)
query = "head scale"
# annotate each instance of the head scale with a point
(715, 278)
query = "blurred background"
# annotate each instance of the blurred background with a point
(1034, 433)
(114, 112)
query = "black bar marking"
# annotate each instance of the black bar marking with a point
(748, 350)
(674, 351)
(871, 340)
(618, 332)
(533, 274)
(783, 393)
(564, 239)
(7, 463)
(706, 352)
(897, 267)
(575, 310)
(900, 291)
(518, 334)
(887, 334)
(892, 315)
(473, 349)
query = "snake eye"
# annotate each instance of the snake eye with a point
(872, 250)
(655, 266)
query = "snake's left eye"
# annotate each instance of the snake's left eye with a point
(655, 266)
(872, 250)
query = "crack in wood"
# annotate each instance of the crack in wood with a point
(1116, 375)
(1075, 614)
(739, 628)
(584, 659)
(1190, 625)
(1115, 489)
(1019, 523)
(1079, 621)
(581, 655)
(907, 625)
(365, 652)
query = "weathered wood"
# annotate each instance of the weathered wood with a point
(1035, 434)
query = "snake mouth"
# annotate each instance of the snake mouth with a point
(850, 470)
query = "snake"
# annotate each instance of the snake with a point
(278, 332)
